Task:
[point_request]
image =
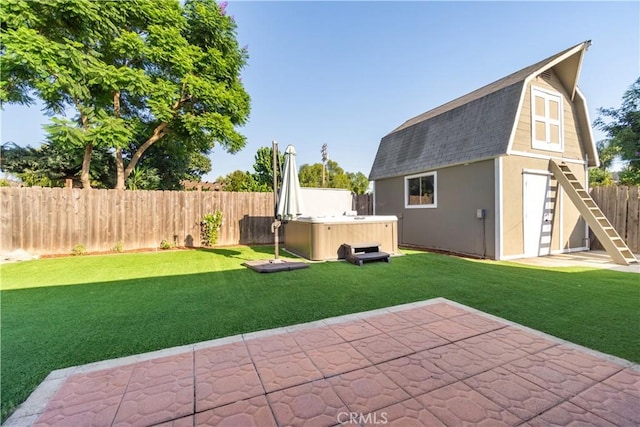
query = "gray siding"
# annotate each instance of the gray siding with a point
(453, 225)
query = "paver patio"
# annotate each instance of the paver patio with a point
(430, 363)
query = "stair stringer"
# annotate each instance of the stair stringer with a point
(599, 224)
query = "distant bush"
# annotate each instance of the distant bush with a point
(118, 247)
(165, 244)
(79, 250)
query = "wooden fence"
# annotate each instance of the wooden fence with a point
(363, 203)
(621, 205)
(55, 220)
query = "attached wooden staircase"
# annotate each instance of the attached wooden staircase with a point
(599, 224)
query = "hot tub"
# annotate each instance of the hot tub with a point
(319, 238)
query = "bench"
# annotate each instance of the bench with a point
(359, 253)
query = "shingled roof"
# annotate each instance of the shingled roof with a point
(473, 127)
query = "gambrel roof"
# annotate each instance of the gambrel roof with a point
(476, 126)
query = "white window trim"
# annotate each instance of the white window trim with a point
(435, 191)
(547, 95)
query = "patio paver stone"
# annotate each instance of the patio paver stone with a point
(561, 381)
(388, 322)
(337, 359)
(432, 363)
(380, 348)
(419, 316)
(310, 404)
(459, 405)
(367, 390)
(418, 338)
(310, 339)
(521, 397)
(355, 330)
(416, 375)
(568, 414)
(409, 413)
(220, 387)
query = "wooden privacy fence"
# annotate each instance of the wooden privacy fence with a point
(621, 206)
(55, 220)
(363, 203)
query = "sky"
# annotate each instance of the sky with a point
(347, 73)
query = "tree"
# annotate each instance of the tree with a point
(175, 162)
(359, 182)
(263, 168)
(51, 165)
(311, 176)
(262, 178)
(622, 127)
(599, 177)
(134, 72)
(238, 181)
(607, 154)
(142, 178)
(164, 166)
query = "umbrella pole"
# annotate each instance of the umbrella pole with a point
(276, 223)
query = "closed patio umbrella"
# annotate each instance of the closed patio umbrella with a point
(288, 206)
(289, 201)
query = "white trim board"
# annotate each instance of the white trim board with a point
(512, 135)
(545, 157)
(536, 172)
(498, 197)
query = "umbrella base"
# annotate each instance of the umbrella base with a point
(274, 265)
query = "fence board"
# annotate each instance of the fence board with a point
(620, 205)
(621, 211)
(633, 219)
(5, 219)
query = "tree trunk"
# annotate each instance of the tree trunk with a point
(88, 150)
(158, 133)
(120, 178)
(86, 164)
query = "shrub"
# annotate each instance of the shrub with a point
(118, 247)
(79, 250)
(210, 227)
(165, 244)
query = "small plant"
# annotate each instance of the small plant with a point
(210, 227)
(79, 250)
(165, 244)
(118, 247)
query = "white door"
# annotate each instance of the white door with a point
(537, 210)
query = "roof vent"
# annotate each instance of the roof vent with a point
(546, 75)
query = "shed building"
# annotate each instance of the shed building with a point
(475, 175)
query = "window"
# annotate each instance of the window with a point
(546, 119)
(420, 191)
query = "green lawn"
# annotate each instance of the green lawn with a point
(68, 311)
